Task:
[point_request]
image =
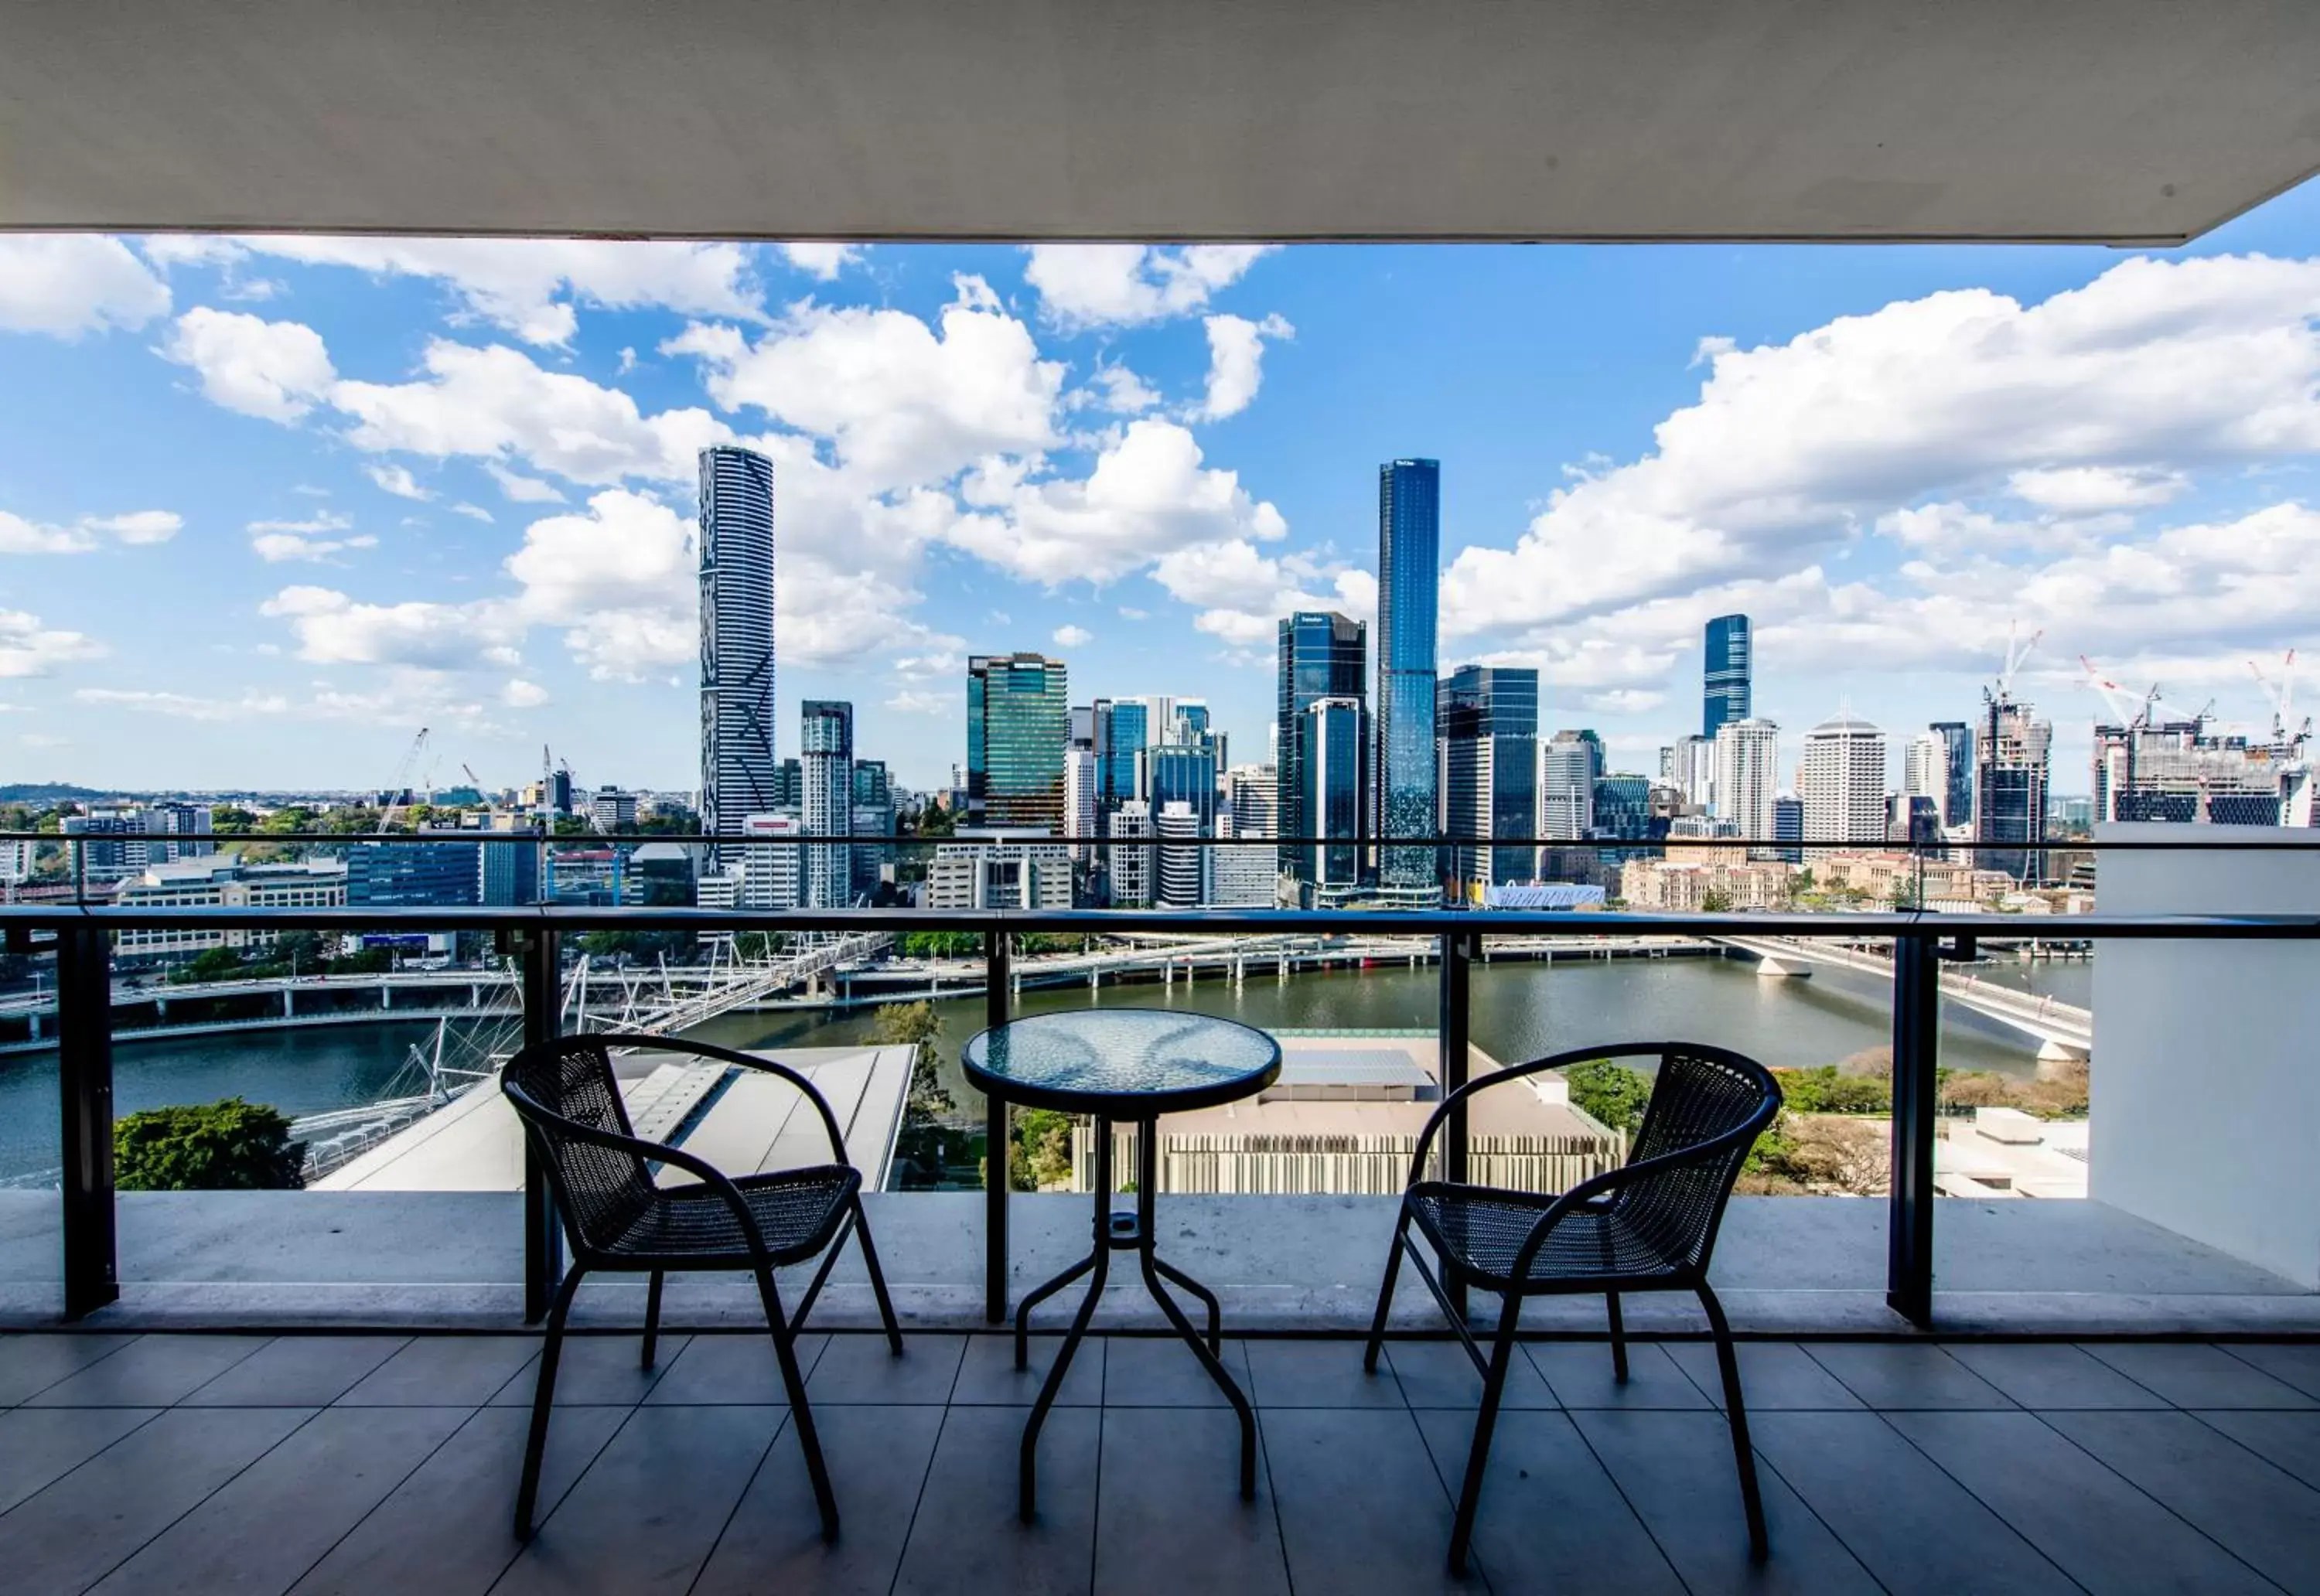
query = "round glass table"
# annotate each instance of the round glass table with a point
(1123, 1066)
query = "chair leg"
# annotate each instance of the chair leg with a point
(877, 1278)
(1736, 1413)
(652, 1318)
(1618, 1339)
(1486, 1420)
(1385, 1294)
(801, 1412)
(543, 1403)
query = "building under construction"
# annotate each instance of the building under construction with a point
(2184, 771)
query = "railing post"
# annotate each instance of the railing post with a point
(85, 1080)
(997, 980)
(543, 1018)
(1451, 1026)
(1910, 1227)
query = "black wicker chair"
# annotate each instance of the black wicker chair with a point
(1646, 1227)
(617, 1218)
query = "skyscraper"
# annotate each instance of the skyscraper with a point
(1323, 655)
(738, 768)
(1925, 772)
(1568, 766)
(826, 771)
(1409, 560)
(1748, 777)
(1841, 778)
(1957, 758)
(2009, 785)
(1080, 807)
(1252, 793)
(1120, 729)
(874, 816)
(1334, 752)
(1726, 679)
(1018, 722)
(1486, 719)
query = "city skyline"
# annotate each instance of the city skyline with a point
(380, 484)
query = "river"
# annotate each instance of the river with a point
(1520, 1009)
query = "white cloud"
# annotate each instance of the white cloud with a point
(399, 481)
(912, 703)
(139, 526)
(68, 283)
(29, 648)
(20, 536)
(1243, 594)
(1147, 497)
(520, 694)
(529, 286)
(333, 628)
(184, 707)
(1236, 363)
(520, 489)
(2086, 490)
(1074, 637)
(273, 370)
(1124, 285)
(473, 512)
(619, 578)
(825, 261)
(275, 547)
(1119, 390)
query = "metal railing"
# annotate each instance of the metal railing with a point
(80, 937)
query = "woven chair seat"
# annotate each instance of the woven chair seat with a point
(1483, 1229)
(797, 1211)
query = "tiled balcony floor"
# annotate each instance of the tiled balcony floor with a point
(200, 1464)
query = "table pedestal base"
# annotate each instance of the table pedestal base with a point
(1124, 1232)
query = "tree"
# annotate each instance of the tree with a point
(1609, 1092)
(942, 944)
(1042, 1140)
(212, 1147)
(211, 964)
(1715, 901)
(934, 820)
(918, 1027)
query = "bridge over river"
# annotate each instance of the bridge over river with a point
(2061, 1030)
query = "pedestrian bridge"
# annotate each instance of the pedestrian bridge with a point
(2061, 1030)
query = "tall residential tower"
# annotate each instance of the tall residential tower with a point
(738, 768)
(826, 762)
(1410, 561)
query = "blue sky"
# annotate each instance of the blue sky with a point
(266, 506)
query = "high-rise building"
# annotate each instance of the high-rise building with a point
(2010, 768)
(1000, 869)
(1569, 764)
(1486, 722)
(1841, 778)
(1238, 877)
(1692, 770)
(2183, 770)
(1726, 695)
(1926, 771)
(1410, 561)
(1957, 764)
(874, 816)
(1181, 868)
(826, 771)
(1323, 655)
(1182, 773)
(1018, 722)
(1080, 805)
(1333, 754)
(1128, 858)
(737, 639)
(1253, 795)
(1623, 806)
(1747, 776)
(1788, 827)
(1118, 732)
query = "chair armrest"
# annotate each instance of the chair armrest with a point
(746, 1061)
(1500, 1077)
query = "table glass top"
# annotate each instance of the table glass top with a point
(1126, 1052)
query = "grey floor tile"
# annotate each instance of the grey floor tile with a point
(1318, 1374)
(278, 1517)
(1161, 1371)
(966, 1539)
(1550, 1519)
(864, 1369)
(2265, 1515)
(740, 1370)
(1580, 1374)
(2298, 1364)
(1906, 1375)
(1439, 1375)
(70, 1535)
(648, 1512)
(30, 1365)
(2083, 1517)
(1361, 1508)
(443, 1371)
(2050, 1375)
(1675, 1470)
(39, 1444)
(1773, 1375)
(878, 1458)
(1169, 1515)
(154, 1372)
(596, 1372)
(2191, 1375)
(298, 1371)
(1911, 1525)
(445, 1530)
(2289, 1439)
(988, 1377)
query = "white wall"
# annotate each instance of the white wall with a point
(2206, 1080)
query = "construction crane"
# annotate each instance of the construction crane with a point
(2126, 710)
(2282, 694)
(2016, 653)
(391, 800)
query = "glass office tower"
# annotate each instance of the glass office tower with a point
(1120, 729)
(738, 768)
(1018, 722)
(1323, 655)
(1958, 760)
(1336, 744)
(1486, 719)
(1410, 561)
(1727, 697)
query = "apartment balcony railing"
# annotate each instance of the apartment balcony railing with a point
(535, 939)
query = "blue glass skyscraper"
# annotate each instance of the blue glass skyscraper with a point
(1487, 720)
(1409, 560)
(1726, 695)
(1323, 655)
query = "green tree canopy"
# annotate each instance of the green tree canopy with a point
(1610, 1092)
(212, 1146)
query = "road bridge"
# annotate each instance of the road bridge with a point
(2061, 1030)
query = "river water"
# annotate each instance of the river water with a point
(1521, 1009)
